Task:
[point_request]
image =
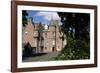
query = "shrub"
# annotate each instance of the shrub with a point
(74, 50)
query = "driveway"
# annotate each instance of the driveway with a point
(45, 57)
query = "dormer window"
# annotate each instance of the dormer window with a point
(46, 26)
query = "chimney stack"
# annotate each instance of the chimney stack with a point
(30, 20)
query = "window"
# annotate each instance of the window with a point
(53, 33)
(26, 32)
(46, 35)
(53, 42)
(45, 48)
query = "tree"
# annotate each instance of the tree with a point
(40, 38)
(77, 23)
(76, 28)
(24, 17)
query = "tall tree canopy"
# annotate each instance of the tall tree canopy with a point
(77, 23)
(76, 28)
(24, 17)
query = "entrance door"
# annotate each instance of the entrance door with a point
(53, 49)
(41, 49)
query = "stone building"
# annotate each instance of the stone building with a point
(43, 38)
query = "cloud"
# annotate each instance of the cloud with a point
(49, 15)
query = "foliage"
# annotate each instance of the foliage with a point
(76, 28)
(24, 17)
(75, 49)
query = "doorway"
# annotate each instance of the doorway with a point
(53, 49)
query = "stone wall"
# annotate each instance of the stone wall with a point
(50, 39)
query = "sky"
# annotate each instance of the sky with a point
(43, 16)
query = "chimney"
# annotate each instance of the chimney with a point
(29, 20)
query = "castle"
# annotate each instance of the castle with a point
(43, 38)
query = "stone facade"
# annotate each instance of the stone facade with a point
(43, 38)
